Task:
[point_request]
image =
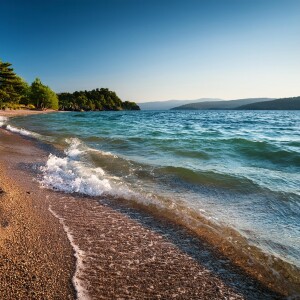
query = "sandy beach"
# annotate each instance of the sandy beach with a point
(66, 246)
(24, 112)
(37, 261)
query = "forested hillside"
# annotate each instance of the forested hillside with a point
(98, 99)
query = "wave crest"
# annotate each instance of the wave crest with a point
(65, 174)
(20, 131)
(70, 175)
(3, 120)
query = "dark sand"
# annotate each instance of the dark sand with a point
(124, 253)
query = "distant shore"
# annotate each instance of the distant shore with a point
(116, 255)
(24, 112)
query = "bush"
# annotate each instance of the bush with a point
(13, 106)
(30, 106)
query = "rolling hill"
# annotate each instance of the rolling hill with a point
(278, 104)
(162, 105)
(222, 104)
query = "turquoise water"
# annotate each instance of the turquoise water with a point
(236, 169)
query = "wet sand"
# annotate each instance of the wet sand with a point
(36, 260)
(123, 253)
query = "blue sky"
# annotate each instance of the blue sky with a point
(156, 50)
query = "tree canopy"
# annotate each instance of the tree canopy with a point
(97, 99)
(13, 88)
(15, 92)
(42, 96)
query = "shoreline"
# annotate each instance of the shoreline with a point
(33, 266)
(24, 112)
(119, 229)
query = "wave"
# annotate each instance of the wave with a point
(25, 132)
(3, 121)
(192, 154)
(3, 124)
(210, 179)
(74, 174)
(293, 144)
(70, 175)
(21, 131)
(264, 150)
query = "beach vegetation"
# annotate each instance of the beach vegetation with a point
(30, 106)
(16, 93)
(41, 96)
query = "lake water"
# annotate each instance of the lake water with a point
(234, 169)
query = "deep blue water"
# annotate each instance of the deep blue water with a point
(236, 168)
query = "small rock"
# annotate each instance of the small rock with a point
(4, 223)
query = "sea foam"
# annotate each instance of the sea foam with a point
(70, 175)
(81, 291)
(73, 173)
(20, 131)
(3, 121)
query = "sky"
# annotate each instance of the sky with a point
(149, 50)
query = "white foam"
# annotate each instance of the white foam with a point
(79, 254)
(3, 120)
(76, 148)
(68, 175)
(20, 131)
(107, 153)
(72, 174)
(99, 171)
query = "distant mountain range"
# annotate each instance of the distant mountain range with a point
(292, 103)
(163, 105)
(278, 104)
(222, 104)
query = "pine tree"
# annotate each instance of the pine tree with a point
(7, 74)
(12, 87)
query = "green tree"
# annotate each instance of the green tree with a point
(97, 99)
(7, 74)
(12, 87)
(128, 105)
(42, 97)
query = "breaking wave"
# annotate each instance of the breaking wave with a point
(21, 131)
(70, 175)
(73, 173)
(3, 121)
